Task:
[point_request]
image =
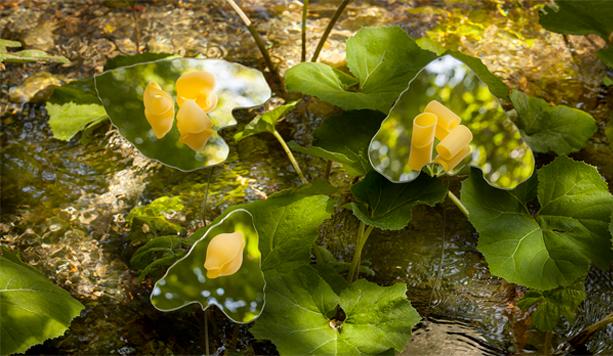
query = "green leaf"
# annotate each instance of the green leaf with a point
(329, 273)
(79, 92)
(32, 308)
(578, 17)
(149, 220)
(553, 303)
(611, 230)
(29, 56)
(344, 139)
(495, 84)
(606, 56)
(430, 45)
(169, 249)
(296, 316)
(559, 129)
(316, 187)
(124, 60)
(391, 204)
(384, 60)
(266, 122)
(68, 119)
(607, 81)
(555, 247)
(8, 43)
(287, 224)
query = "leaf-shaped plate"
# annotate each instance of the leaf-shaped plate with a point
(496, 148)
(240, 295)
(121, 93)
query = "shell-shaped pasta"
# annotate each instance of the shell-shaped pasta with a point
(156, 100)
(196, 141)
(224, 255)
(161, 124)
(206, 102)
(192, 119)
(192, 84)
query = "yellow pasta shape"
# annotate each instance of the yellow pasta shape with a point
(423, 130)
(447, 119)
(197, 86)
(420, 156)
(224, 255)
(194, 125)
(159, 109)
(454, 142)
(448, 165)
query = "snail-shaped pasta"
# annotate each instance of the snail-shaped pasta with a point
(159, 109)
(194, 125)
(197, 86)
(224, 255)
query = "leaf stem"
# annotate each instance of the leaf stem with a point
(317, 253)
(328, 169)
(586, 333)
(305, 5)
(354, 270)
(290, 155)
(547, 345)
(331, 24)
(458, 203)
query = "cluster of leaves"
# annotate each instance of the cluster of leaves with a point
(581, 18)
(26, 56)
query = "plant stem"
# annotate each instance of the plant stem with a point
(547, 346)
(206, 332)
(586, 333)
(290, 155)
(136, 29)
(328, 169)
(331, 24)
(304, 20)
(361, 241)
(458, 203)
(257, 39)
(317, 253)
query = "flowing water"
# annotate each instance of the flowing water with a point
(64, 204)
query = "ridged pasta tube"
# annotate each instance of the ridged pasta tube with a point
(159, 109)
(420, 156)
(194, 125)
(224, 255)
(197, 86)
(424, 125)
(447, 119)
(448, 165)
(454, 142)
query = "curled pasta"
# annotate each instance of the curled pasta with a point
(194, 125)
(454, 142)
(447, 119)
(424, 126)
(159, 109)
(224, 255)
(448, 165)
(197, 86)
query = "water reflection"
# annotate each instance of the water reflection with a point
(121, 92)
(240, 295)
(496, 148)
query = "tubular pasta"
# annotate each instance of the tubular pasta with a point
(420, 156)
(454, 142)
(448, 165)
(447, 119)
(423, 130)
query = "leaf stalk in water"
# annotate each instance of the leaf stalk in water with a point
(458, 203)
(361, 241)
(290, 155)
(305, 5)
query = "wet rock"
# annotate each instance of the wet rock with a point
(36, 89)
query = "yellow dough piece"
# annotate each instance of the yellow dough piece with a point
(196, 141)
(159, 109)
(192, 119)
(447, 119)
(224, 255)
(424, 125)
(454, 142)
(197, 86)
(420, 156)
(448, 165)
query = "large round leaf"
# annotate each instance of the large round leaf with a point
(121, 92)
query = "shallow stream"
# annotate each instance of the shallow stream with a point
(64, 204)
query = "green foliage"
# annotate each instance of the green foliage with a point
(124, 60)
(606, 56)
(297, 318)
(329, 261)
(431, 45)
(287, 225)
(390, 203)
(344, 139)
(495, 84)
(68, 119)
(384, 60)
(607, 81)
(33, 308)
(578, 17)
(78, 92)
(318, 186)
(159, 252)
(552, 303)
(26, 56)
(148, 221)
(554, 247)
(266, 122)
(560, 129)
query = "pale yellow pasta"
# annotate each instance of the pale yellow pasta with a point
(454, 142)
(420, 156)
(159, 109)
(224, 255)
(194, 125)
(423, 130)
(196, 141)
(448, 165)
(447, 119)
(197, 86)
